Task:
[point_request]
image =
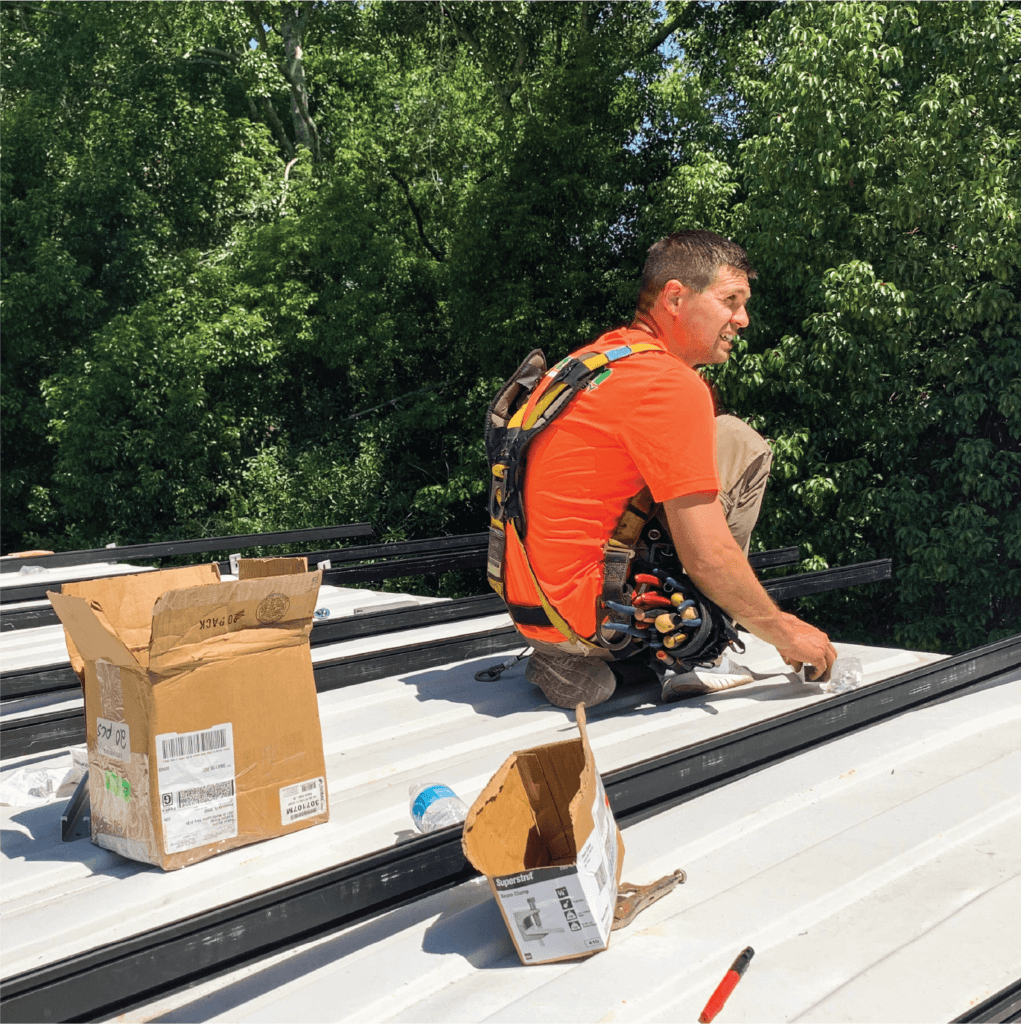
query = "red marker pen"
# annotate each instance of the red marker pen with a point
(725, 987)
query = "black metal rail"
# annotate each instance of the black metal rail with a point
(170, 548)
(32, 682)
(376, 572)
(807, 583)
(20, 737)
(399, 620)
(429, 546)
(441, 554)
(36, 734)
(997, 1009)
(112, 978)
(52, 678)
(27, 618)
(467, 551)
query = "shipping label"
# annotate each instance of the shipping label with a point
(302, 800)
(597, 862)
(548, 913)
(197, 785)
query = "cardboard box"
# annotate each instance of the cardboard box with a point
(543, 834)
(202, 721)
(258, 568)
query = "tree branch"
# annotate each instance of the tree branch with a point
(583, 25)
(212, 51)
(662, 34)
(277, 126)
(24, 5)
(522, 48)
(305, 128)
(437, 254)
(260, 32)
(503, 93)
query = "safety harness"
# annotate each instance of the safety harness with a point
(525, 406)
(531, 399)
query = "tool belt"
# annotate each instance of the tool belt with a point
(527, 403)
(670, 616)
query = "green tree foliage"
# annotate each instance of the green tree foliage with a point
(120, 156)
(880, 189)
(444, 187)
(264, 263)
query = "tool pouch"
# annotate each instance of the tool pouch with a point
(717, 632)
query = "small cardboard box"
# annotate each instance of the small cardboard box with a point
(543, 834)
(202, 721)
(258, 568)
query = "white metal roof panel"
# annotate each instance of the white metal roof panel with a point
(24, 707)
(878, 878)
(37, 647)
(379, 738)
(42, 646)
(58, 574)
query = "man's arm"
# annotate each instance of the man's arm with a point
(711, 557)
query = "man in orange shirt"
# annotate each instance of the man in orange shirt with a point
(648, 421)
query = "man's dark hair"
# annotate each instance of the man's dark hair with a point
(691, 257)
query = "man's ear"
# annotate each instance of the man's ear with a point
(672, 295)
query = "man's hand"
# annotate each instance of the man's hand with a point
(809, 646)
(711, 557)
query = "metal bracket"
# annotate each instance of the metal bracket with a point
(75, 821)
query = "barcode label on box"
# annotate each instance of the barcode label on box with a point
(197, 785)
(203, 794)
(302, 800)
(190, 743)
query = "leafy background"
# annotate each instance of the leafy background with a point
(264, 264)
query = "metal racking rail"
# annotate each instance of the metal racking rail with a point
(51, 730)
(115, 977)
(172, 548)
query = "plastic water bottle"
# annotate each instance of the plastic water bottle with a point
(846, 674)
(434, 807)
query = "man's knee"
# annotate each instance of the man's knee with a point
(739, 449)
(743, 462)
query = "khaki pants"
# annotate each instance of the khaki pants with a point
(743, 460)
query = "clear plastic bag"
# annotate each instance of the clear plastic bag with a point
(35, 785)
(846, 674)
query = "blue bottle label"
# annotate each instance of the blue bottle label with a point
(427, 797)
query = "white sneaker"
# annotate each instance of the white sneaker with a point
(722, 676)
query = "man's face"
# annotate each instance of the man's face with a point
(705, 323)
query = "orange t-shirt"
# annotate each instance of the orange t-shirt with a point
(648, 422)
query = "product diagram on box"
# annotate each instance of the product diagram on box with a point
(549, 913)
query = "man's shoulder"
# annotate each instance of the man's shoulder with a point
(618, 337)
(657, 365)
(644, 357)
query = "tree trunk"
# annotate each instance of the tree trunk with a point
(305, 132)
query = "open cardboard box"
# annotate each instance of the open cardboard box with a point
(202, 722)
(543, 834)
